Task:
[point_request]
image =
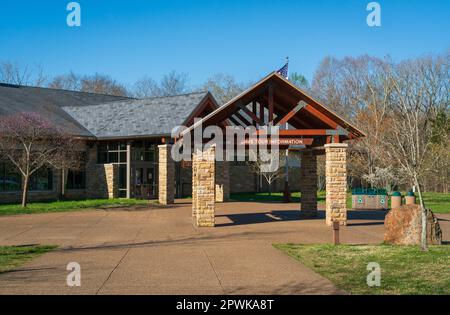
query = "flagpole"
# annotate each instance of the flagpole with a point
(287, 193)
(287, 72)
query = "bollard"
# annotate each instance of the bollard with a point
(335, 226)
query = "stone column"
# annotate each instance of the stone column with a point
(166, 175)
(203, 187)
(308, 184)
(112, 180)
(194, 191)
(336, 183)
(222, 181)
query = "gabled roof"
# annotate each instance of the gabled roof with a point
(138, 118)
(106, 116)
(49, 102)
(286, 97)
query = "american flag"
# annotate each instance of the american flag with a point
(284, 70)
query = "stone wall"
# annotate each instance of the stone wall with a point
(166, 175)
(308, 184)
(336, 182)
(222, 181)
(186, 179)
(242, 179)
(203, 179)
(102, 180)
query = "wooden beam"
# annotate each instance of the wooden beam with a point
(336, 139)
(237, 123)
(243, 119)
(251, 114)
(299, 132)
(321, 116)
(271, 104)
(261, 112)
(282, 120)
(254, 113)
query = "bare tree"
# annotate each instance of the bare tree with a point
(97, 83)
(259, 166)
(146, 87)
(413, 108)
(13, 73)
(173, 83)
(30, 142)
(69, 81)
(102, 84)
(360, 89)
(71, 158)
(224, 87)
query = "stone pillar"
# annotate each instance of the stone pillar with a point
(308, 184)
(194, 191)
(112, 180)
(222, 181)
(166, 175)
(203, 187)
(336, 182)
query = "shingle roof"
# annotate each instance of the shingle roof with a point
(49, 102)
(130, 118)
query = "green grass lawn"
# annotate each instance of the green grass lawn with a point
(404, 269)
(13, 256)
(70, 205)
(437, 202)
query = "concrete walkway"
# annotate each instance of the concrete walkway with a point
(158, 251)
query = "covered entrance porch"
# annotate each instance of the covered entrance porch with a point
(314, 129)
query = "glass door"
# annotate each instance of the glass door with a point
(145, 183)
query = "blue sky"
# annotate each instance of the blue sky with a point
(245, 38)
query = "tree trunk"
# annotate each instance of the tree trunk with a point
(63, 184)
(423, 241)
(25, 191)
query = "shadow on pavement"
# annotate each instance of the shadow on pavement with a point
(295, 215)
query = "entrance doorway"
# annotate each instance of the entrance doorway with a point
(145, 186)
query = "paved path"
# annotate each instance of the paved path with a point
(158, 251)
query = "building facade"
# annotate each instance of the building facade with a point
(121, 139)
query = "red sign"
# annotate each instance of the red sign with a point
(279, 141)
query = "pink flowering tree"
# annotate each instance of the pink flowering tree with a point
(30, 141)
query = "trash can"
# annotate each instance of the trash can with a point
(396, 200)
(410, 198)
(369, 198)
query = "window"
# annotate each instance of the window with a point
(10, 178)
(112, 152)
(42, 179)
(144, 151)
(115, 152)
(76, 180)
(122, 181)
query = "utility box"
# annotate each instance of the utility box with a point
(369, 198)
